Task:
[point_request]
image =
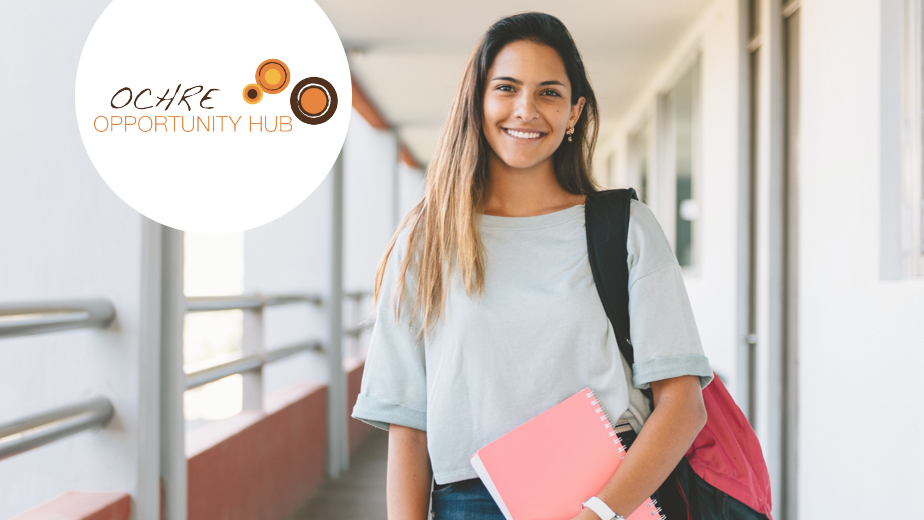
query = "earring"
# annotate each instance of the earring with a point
(570, 133)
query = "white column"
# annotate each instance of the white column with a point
(338, 456)
(173, 378)
(147, 494)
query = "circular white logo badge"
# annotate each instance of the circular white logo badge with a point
(213, 116)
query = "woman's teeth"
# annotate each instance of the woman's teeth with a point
(523, 135)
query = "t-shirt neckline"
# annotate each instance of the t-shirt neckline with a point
(534, 222)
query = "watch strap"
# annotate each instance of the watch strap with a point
(601, 509)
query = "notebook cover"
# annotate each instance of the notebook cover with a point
(545, 468)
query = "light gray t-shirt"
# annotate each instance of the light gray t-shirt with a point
(537, 335)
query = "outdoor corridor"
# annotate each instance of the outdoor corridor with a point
(151, 373)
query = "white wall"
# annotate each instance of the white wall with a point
(410, 188)
(861, 338)
(378, 191)
(370, 190)
(712, 283)
(292, 255)
(65, 234)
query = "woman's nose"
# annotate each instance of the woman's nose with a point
(525, 108)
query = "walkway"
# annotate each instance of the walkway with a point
(358, 494)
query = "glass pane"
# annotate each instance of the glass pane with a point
(687, 207)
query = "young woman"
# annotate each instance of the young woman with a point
(487, 314)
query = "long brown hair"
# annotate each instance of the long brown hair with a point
(443, 232)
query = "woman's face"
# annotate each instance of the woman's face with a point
(527, 104)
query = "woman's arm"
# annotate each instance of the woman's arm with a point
(678, 416)
(407, 487)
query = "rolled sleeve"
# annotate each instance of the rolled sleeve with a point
(394, 384)
(664, 336)
(657, 369)
(381, 414)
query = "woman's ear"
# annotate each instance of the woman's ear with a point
(576, 110)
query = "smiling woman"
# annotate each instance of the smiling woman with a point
(487, 313)
(528, 109)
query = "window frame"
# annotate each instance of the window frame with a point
(912, 171)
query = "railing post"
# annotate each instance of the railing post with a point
(147, 497)
(173, 378)
(337, 444)
(252, 345)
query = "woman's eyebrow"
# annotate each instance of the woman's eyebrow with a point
(507, 78)
(518, 82)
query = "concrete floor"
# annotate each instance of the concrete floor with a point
(358, 494)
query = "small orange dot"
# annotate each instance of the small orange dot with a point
(313, 100)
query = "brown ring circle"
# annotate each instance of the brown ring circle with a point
(303, 116)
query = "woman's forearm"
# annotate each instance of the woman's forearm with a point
(678, 416)
(408, 475)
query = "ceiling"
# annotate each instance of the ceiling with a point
(408, 55)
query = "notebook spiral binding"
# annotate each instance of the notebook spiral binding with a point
(651, 503)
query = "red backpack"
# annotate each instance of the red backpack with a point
(723, 475)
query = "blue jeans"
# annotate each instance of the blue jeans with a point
(464, 500)
(470, 500)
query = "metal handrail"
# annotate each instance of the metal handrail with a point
(245, 302)
(246, 364)
(284, 299)
(38, 430)
(26, 318)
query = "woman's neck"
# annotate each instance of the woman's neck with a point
(525, 192)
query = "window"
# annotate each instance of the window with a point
(680, 158)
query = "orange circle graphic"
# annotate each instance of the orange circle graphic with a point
(273, 76)
(253, 93)
(313, 100)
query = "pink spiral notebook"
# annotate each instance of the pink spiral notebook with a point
(547, 467)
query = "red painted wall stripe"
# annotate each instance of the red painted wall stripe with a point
(268, 466)
(253, 466)
(364, 106)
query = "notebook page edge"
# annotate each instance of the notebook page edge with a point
(489, 484)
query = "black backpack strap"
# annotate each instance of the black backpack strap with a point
(606, 218)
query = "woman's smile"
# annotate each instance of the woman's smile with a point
(524, 135)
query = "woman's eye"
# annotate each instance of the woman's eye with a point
(505, 88)
(552, 93)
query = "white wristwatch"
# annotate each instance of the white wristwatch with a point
(603, 511)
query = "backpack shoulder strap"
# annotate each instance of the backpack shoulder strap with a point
(606, 219)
